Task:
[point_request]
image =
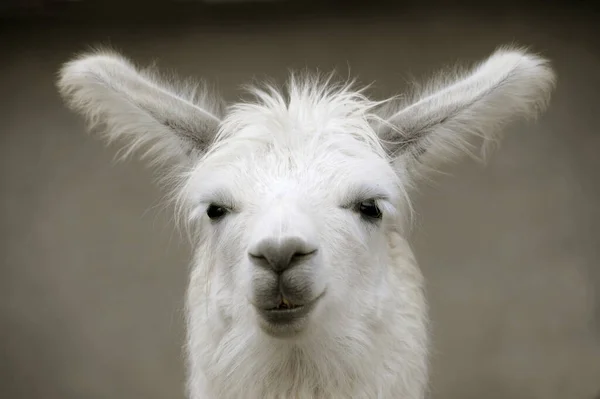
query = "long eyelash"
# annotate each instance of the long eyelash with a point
(218, 200)
(364, 193)
(386, 207)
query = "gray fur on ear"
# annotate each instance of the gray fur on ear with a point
(173, 121)
(438, 121)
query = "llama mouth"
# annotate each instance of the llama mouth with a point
(285, 305)
(286, 320)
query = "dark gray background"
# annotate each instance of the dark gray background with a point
(92, 271)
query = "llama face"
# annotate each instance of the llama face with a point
(296, 222)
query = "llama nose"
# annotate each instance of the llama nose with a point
(280, 254)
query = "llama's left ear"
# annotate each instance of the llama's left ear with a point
(172, 122)
(440, 121)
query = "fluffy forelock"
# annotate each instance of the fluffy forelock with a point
(310, 112)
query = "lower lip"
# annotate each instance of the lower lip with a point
(285, 316)
(282, 317)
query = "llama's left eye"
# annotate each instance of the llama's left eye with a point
(369, 209)
(215, 211)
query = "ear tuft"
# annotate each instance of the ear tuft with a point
(441, 120)
(171, 121)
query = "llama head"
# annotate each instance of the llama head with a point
(293, 195)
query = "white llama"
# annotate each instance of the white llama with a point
(302, 285)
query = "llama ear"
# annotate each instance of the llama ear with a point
(173, 123)
(443, 118)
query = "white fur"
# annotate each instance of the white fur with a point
(298, 159)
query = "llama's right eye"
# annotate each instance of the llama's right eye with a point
(215, 212)
(369, 209)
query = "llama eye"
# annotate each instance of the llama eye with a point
(215, 211)
(369, 209)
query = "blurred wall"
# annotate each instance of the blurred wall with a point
(92, 271)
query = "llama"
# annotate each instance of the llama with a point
(297, 200)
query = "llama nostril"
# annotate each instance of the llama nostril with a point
(304, 254)
(281, 254)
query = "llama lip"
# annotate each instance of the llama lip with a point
(284, 305)
(284, 310)
(285, 318)
(280, 319)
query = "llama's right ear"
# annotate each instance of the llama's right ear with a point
(172, 123)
